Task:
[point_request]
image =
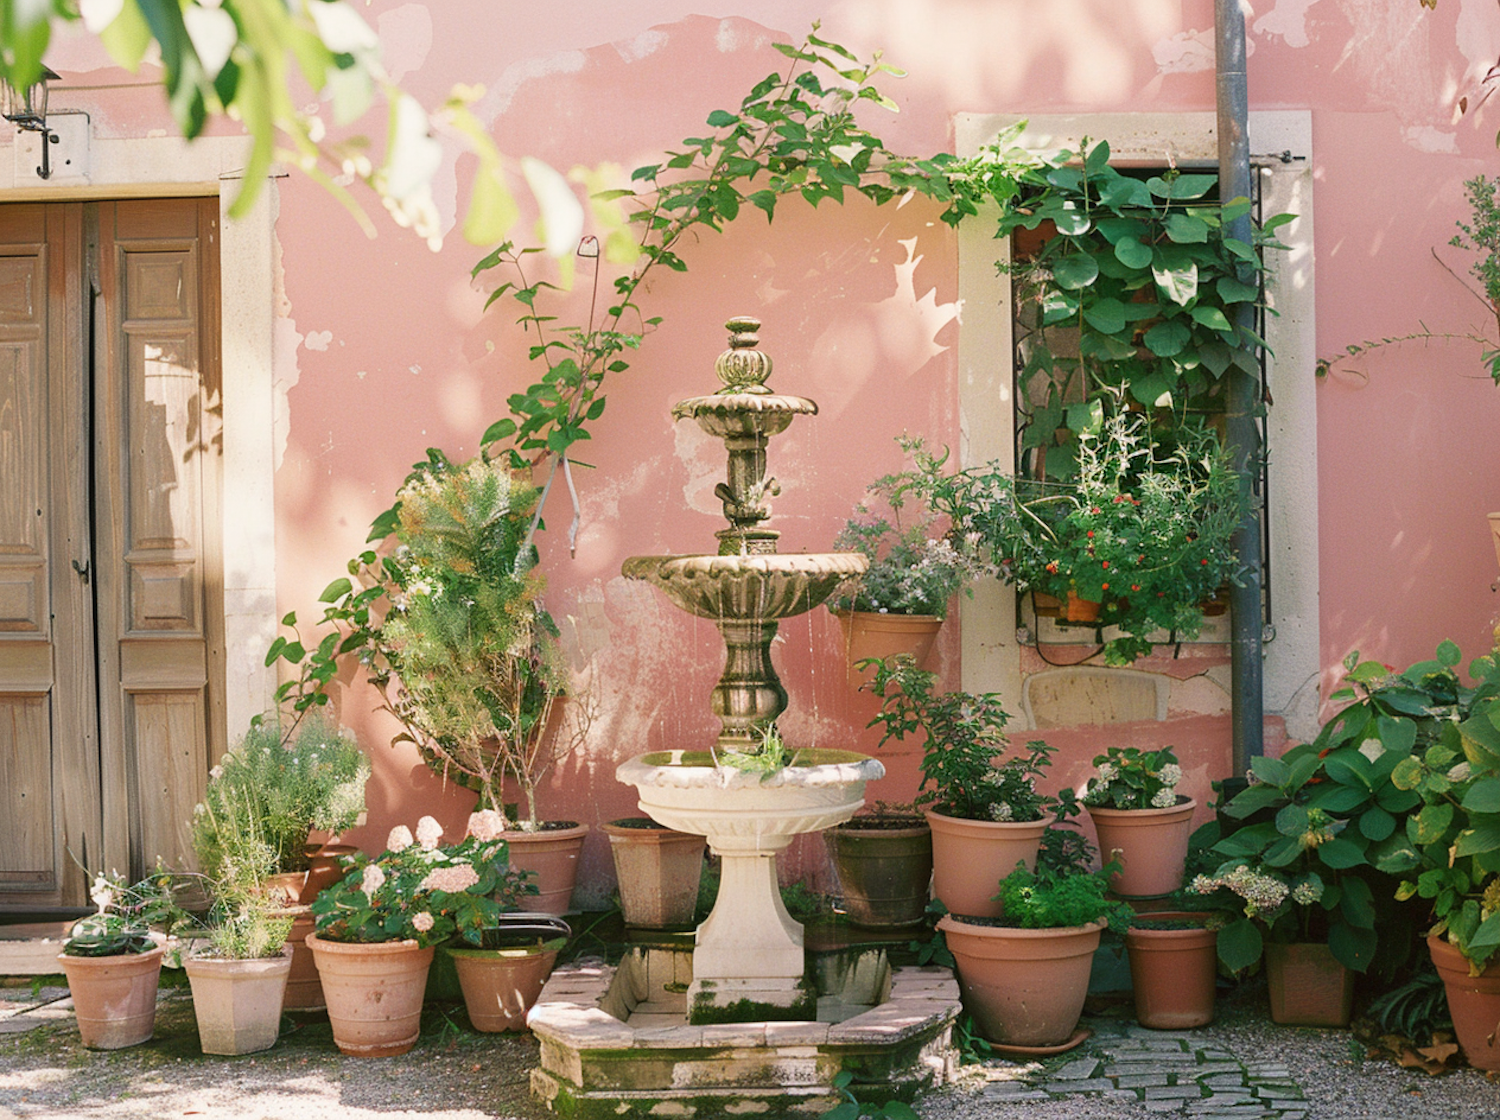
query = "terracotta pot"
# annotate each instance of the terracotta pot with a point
(1080, 610)
(1172, 972)
(553, 854)
(238, 1003)
(304, 991)
(884, 866)
(1024, 987)
(1046, 606)
(658, 870)
(1309, 988)
(114, 997)
(501, 985)
(873, 634)
(1474, 1002)
(969, 858)
(374, 993)
(324, 869)
(1151, 845)
(287, 887)
(1494, 520)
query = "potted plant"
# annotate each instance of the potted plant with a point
(884, 863)
(503, 963)
(1141, 819)
(1173, 967)
(377, 927)
(900, 602)
(469, 660)
(1142, 528)
(113, 959)
(658, 870)
(1024, 976)
(985, 816)
(292, 780)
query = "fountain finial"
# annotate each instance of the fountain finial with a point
(742, 368)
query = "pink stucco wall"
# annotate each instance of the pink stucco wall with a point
(385, 350)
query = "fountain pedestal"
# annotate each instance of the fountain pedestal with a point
(748, 961)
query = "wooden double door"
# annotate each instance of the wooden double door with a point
(111, 605)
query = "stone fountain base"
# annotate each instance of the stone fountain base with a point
(615, 1041)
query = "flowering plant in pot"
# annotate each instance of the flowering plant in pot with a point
(985, 815)
(1141, 819)
(377, 928)
(1024, 975)
(113, 957)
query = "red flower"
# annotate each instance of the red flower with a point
(1105, 563)
(1135, 587)
(1104, 587)
(1204, 561)
(1091, 534)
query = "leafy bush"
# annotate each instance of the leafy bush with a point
(1130, 778)
(128, 916)
(1051, 899)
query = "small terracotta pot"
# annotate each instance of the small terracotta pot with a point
(553, 854)
(1080, 610)
(1474, 1002)
(1024, 987)
(501, 985)
(873, 634)
(1309, 987)
(238, 1003)
(114, 997)
(324, 868)
(304, 991)
(658, 871)
(1172, 972)
(1151, 845)
(884, 866)
(969, 858)
(374, 993)
(287, 886)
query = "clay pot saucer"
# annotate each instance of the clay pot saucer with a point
(1075, 1040)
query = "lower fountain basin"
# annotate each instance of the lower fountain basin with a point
(758, 588)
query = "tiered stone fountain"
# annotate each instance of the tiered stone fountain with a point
(752, 1033)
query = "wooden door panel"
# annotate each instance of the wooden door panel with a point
(28, 842)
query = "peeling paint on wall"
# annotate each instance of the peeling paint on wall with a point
(503, 91)
(1288, 19)
(645, 44)
(1187, 52)
(318, 340)
(405, 38)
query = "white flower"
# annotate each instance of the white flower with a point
(1171, 774)
(399, 839)
(429, 832)
(1164, 799)
(1107, 773)
(372, 880)
(422, 922)
(102, 893)
(486, 825)
(216, 773)
(1001, 811)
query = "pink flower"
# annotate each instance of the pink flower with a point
(399, 839)
(422, 922)
(429, 832)
(450, 880)
(372, 881)
(486, 825)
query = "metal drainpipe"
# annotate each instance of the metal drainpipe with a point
(1243, 436)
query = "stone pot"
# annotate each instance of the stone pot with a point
(880, 635)
(552, 852)
(1151, 845)
(969, 858)
(1309, 987)
(658, 870)
(238, 1003)
(114, 997)
(884, 865)
(1474, 1002)
(374, 993)
(501, 985)
(1173, 971)
(1024, 987)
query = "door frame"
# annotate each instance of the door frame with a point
(162, 167)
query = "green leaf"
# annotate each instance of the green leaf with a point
(1181, 187)
(1292, 820)
(1211, 317)
(1239, 945)
(1483, 796)
(1132, 254)
(1407, 773)
(1176, 276)
(1270, 770)
(1376, 824)
(1432, 822)
(1252, 800)
(1106, 315)
(1354, 948)
(1483, 837)
(1185, 229)
(899, 1110)
(1397, 733)
(1232, 290)
(336, 591)
(1071, 222)
(1167, 338)
(1076, 271)
(1339, 853)
(1357, 902)
(1086, 416)
(720, 119)
(1154, 390)
(1449, 654)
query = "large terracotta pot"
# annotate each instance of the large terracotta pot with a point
(304, 991)
(1309, 987)
(1474, 1002)
(879, 635)
(501, 985)
(969, 858)
(1024, 987)
(114, 997)
(1151, 845)
(374, 993)
(884, 866)
(553, 854)
(658, 870)
(238, 1003)
(1173, 971)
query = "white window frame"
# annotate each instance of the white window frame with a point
(991, 648)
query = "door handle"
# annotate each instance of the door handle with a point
(82, 570)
